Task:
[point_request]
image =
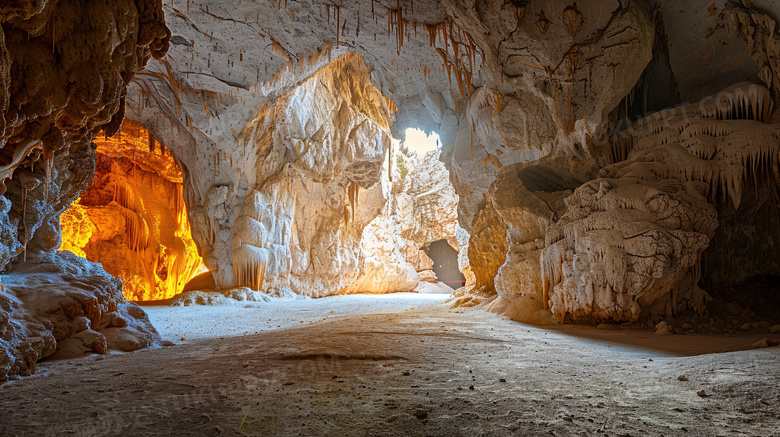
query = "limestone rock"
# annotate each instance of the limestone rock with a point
(663, 328)
(766, 343)
(633, 238)
(418, 259)
(487, 247)
(433, 288)
(69, 305)
(60, 84)
(384, 268)
(427, 276)
(197, 298)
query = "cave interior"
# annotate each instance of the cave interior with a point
(549, 176)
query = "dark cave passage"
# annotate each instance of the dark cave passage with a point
(445, 264)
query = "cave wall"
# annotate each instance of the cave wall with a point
(64, 69)
(318, 172)
(532, 101)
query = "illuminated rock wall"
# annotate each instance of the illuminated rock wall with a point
(132, 218)
(527, 99)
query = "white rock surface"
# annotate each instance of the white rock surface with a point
(65, 304)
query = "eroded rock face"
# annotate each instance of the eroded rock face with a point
(558, 89)
(527, 101)
(632, 239)
(487, 247)
(616, 250)
(320, 158)
(66, 304)
(64, 69)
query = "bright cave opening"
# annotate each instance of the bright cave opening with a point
(132, 217)
(419, 142)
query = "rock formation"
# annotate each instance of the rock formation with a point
(61, 82)
(588, 188)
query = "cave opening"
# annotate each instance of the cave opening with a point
(427, 211)
(445, 264)
(420, 142)
(133, 219)
(739, 268)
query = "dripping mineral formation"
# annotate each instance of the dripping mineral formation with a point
(600, 163)
(60, 84)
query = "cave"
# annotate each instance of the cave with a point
(445, 264)
(132, 218)
(407, 217)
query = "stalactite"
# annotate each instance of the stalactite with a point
(397, 23)
(137, 230)
(353, 192)
(390, 162)
(48, 159)
(24, 221)
(542, 23)
(249, 266)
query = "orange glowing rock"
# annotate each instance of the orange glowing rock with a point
(133, 219)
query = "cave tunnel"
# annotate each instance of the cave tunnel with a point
(445, 264)
(414, 217)
(132, 218)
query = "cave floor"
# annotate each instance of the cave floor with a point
(406, 369)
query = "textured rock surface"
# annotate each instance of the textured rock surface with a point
(64, 69)
(132, 218)
(66, 304)
(317, 186)
(632, 239)
(60, 83)
(487, 247)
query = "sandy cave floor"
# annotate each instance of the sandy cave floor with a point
(396, 365)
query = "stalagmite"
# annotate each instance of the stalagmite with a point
(249, 266)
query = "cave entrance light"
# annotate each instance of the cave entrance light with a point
(421, 143)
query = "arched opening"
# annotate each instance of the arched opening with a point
(132, 218)
(739, 267)
(445, 264)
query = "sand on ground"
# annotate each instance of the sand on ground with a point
(393, 365)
